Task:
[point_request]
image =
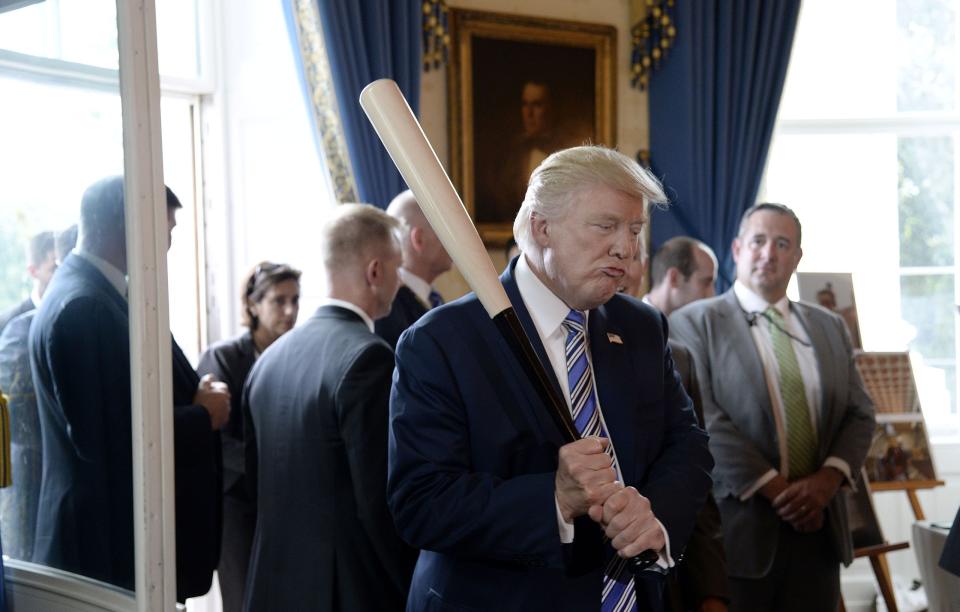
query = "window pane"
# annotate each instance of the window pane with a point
(73, 417)
(926, 67)
(84, 32)
(926, 188)
(927, 303)
(832, 78)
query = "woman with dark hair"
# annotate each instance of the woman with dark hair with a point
(270, 302)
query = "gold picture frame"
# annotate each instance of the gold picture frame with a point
(519, 88)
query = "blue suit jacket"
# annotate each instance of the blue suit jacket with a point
(473, 456)
(80, 358)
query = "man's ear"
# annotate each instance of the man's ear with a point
(374, 271)
(673, 277)
(540, 228)
(32, 270)
(735, 249)
(416, 238)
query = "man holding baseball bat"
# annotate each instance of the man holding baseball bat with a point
(507, 515)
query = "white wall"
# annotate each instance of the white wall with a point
(267, 190)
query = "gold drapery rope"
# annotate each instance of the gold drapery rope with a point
(654, 32)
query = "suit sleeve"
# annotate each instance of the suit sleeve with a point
(440, 502)
(362, 404)
(743, 464)
(852, 440)
(684, 458)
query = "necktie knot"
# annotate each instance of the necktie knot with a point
(435, 298)
(574, 321)
(773, 314)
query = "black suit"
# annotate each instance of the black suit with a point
(950, 559)
(15, 311)
(407, 310)
(703, 571)
(316, 409)
(230, 361)
(80, 357)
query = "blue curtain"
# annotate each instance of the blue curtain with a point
(713, 104)
(368, 40)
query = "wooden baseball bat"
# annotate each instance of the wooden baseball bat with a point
(401, 134)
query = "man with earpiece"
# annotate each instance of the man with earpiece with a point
(788, 417)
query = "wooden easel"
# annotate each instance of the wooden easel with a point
(877, 554)
(910, 487)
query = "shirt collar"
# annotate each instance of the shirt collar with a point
(751, 302)
(351, 307)
(112, 273)
(420, 287)
(545, 308)
(35, 297)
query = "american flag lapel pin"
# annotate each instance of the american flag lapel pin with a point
(614, 338)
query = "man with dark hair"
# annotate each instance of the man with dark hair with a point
(424, 259)
(315, 409)
(41, 264)
(683, 270)
(788, 417)
(80, 357)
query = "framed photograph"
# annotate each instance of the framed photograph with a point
(833, 291)
(862, 515)
(900, 450)
(888, 378)
(521, 88)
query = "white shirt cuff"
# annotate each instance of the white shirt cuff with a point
(565, 528)
(665, 560)
(758, 485)
(844, 468)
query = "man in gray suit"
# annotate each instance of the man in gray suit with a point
(788, 417)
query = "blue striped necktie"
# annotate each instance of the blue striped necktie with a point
(435, 298)
(618, 593)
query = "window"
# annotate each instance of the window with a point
(61, 121)
(864, 151)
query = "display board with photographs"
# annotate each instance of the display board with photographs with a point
(833, 291)
(900, 449)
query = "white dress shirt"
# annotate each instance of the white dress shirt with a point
(420, 287)
(112, 273)
(750, 302)
(351, 307)
(548, 313)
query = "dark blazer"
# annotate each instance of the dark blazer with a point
(317, 455)
(473, 457)
(703, 572)
(950, 558)
(743, 435)
(230, 361)
(406, 310)
(15, 311)
(79, 352)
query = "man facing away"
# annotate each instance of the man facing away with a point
(316, 429)
(683, 270)
(424, 259)
(789, 422)
(80, 358)
(41, 264)
(509, 515)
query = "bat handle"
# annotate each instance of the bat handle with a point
(512, 331)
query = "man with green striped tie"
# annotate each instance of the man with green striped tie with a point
(788, 417)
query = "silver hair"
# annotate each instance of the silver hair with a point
(561, 179)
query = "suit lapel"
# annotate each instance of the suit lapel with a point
(739, 338)
(611, 368)
(534, 404)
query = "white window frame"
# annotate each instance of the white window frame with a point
(150, 352)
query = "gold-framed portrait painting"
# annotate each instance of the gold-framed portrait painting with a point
(521, 88)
